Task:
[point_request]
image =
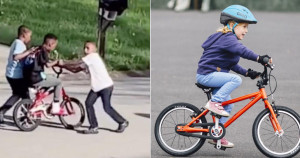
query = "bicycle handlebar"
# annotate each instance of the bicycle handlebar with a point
(58, 72)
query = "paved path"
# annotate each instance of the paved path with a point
(131, 98)
(176, 40)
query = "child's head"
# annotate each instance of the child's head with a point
(50, 42)
(240, 30)
(89, 47)
(24, 34)
(236, 18)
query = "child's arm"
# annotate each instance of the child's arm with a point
(74, 66)
(24, 54)
(51, 64)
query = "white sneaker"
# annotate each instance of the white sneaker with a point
(182, 5)
(55, 107)
(171, 4)
(224, 143)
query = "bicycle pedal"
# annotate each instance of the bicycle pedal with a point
(216, 115)
(222, 148)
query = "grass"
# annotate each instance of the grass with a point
(75, 21)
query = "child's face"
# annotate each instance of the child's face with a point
(241, 30)
(27, 37)
(51, 44)
(89, 48)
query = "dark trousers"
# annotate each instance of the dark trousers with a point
(105, 95)
(19, 90)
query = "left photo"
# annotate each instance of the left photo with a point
(75, 78)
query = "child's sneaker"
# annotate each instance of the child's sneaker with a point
(91, 131)
(1, 117)
(224, 143)
(216, 108)
(56, 110)
(122, 127)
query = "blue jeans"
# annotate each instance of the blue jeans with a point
(224, 83)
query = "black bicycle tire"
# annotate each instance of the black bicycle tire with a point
(22, 128)
(255, 132)
(82, 117)
(156, 130)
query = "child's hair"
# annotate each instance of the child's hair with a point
(22, 30)
(92, 42)
(49, 36)
(225, 29)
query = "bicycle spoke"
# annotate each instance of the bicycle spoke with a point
(184, 141)
(291, 136)
(272, 142)
(290, 131)
(183, 115)
(167, 127)
(268, 124)
(190, 140)
(176, 117)
(288, 138)
(169, 122)
(170, 138)
(282, 120)
(267, 133)
(290, 127)
(285, 143)
(172, 119)
(173, 140)
(167, 133)
(178, 142)
(281, 145)
(267, 130)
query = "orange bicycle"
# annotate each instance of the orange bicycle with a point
(181, 129)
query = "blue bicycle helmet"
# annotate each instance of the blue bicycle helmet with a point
(238, 14)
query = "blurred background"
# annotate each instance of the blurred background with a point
(205, 5)
(75, 21)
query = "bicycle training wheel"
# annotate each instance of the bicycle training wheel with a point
(22, 118)
(287, 145)
(166, 136)
(75, 113)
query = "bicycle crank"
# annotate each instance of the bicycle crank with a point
(214, 133)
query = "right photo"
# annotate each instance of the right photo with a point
(225, 78)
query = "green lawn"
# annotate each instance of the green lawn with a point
(75, 21)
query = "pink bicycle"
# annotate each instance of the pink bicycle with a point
(27, 120)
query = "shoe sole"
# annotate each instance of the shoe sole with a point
(226, 146)
(208, 108)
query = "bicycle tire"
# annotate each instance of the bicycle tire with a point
(158, 125)
(17, 121)
(81, 119)
(262, 145)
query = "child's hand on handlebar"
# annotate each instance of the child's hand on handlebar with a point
(264, 59)
(32, 50)
(60, 63)
(252, 74)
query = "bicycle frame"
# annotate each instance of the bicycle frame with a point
(42, 95)
(255, 97)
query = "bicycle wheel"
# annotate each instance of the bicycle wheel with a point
(75, 116)
(22, 118)
(287, 145)
(166, 136)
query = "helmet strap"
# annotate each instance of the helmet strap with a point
(232, 27)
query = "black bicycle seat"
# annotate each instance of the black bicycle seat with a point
(204, 88)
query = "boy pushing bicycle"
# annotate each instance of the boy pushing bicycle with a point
(101, 86)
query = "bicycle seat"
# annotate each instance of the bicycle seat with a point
(204, 88)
